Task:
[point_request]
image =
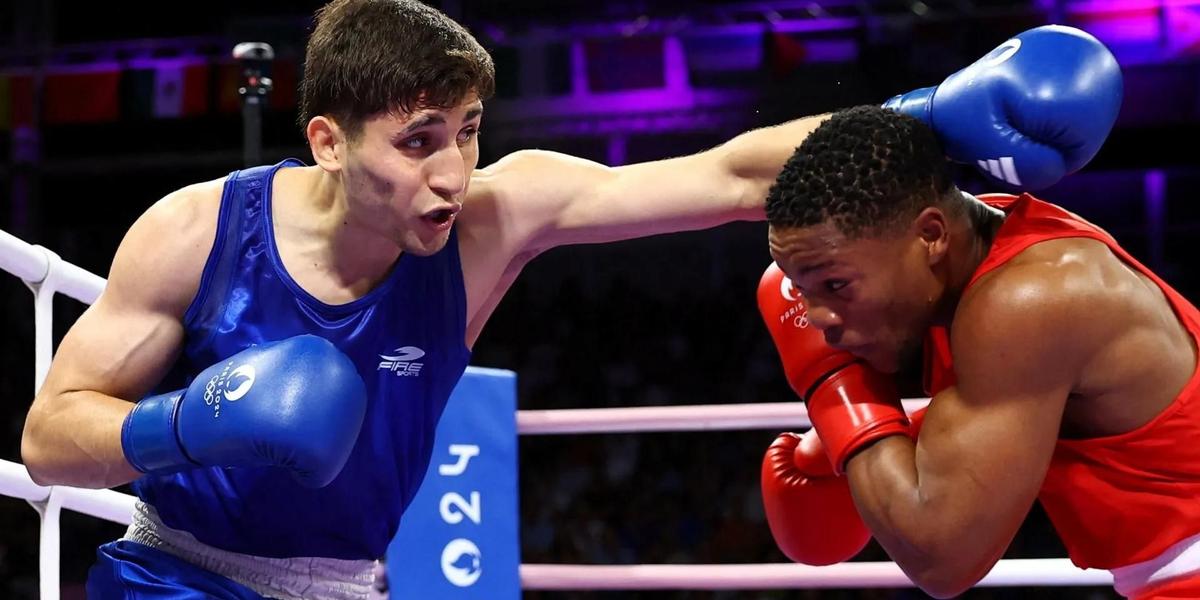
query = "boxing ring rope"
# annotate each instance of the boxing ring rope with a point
(645, 419)
(46, 275)
(1006, 573)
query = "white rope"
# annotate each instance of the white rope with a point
(776, 416)
(1022, 572)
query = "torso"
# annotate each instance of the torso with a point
(250, 293)
(1122, 481)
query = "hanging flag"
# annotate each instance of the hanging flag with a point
(180, 88)
(195, 89)
(164, 89)
(82, 94)
(20, 107)
(168, 90)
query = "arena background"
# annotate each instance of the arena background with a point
(106, 107)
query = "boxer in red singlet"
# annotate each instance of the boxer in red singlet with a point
(1059, 367)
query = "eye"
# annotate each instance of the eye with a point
(835, 285)
(415, 142)
(465, 135)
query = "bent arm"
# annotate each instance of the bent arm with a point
(947, 506)
(118, 350)
(566, 200)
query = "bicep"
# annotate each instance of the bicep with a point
(115, 348)
(983, 455)
(126, 341)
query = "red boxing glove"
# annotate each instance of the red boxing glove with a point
(809, 509)
(849, 403)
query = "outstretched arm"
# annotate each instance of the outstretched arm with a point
(555, 199)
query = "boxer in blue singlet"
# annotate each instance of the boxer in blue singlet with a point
(274, 349)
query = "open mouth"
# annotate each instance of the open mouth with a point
(441, 217)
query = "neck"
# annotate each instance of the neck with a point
(312, 212)
(973, 239)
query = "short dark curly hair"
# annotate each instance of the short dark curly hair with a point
(863, 169)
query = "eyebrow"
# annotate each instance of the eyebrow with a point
(423, 121)
(817, 267)
(437, 119)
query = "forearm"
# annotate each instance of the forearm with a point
(915, 518)
(757, 157)
(78, 442)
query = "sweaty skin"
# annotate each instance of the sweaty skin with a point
(1064, 340)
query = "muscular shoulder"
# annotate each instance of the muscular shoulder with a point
(522, 194)
(188, 211)
(525, 169)
(1052, 304)
(160, 261)
(530, 177)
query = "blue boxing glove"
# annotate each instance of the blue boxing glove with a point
(297, 404)
(1033, 110)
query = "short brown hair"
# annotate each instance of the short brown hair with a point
(369, 56)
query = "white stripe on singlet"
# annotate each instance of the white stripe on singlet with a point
(283, 578)
(1182, 558)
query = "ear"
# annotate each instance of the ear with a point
(933, 229)
(328, 143)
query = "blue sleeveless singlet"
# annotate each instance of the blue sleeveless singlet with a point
(407, 338)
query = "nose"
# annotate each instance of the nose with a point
(448, 172)
(823, 318)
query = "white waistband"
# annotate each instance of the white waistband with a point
(282, 578)
(1182, 558)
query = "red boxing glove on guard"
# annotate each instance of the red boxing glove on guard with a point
(809, 509)
(849, 403)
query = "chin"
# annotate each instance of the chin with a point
(420, 247)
